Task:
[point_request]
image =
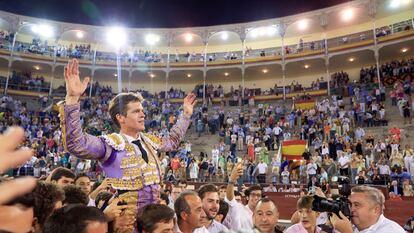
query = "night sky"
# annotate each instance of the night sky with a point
(161, 13)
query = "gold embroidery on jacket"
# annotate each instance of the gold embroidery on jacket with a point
(136, 173)
(61, 106)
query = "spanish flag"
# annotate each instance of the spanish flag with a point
(294, 149)
(304, 104)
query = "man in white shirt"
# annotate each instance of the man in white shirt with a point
(262, 170)
(277, 131)
(384, 169)
(367, 207)
(359, 133)
(229, 121)
(266, 216)
(240, 138)
(343, 164)
(209, 195)
(311, 169)
(240, 217)
(188, 208)
(215, 153)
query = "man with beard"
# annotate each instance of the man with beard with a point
(240, 217)
(209, 195)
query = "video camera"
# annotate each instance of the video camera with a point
(341, 204)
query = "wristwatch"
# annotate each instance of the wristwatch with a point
(232, 182)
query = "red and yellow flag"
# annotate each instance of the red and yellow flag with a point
(304, 104)
(293, 149)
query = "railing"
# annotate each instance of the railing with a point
(139, 57)
(24, 87)
(350, 39)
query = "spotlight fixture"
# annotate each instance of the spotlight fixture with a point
(115, 75)
(188, 37)
(262, 31)
(226, 74)
(79, 34)
(188, 75)
(351, 59)
(224, 36)
(116, 36)
(395, 3)
(303, 24)
(306, 66)
(36, 67)
(265, 71)
(152, 75)
(404, 50)
(347, 14)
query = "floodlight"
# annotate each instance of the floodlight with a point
(79, 34)
(188, 37)
(303, 24)
(116, 36)
(395, 3)
(347, 14)
(224, 36)
(35, 28)
(262, 31)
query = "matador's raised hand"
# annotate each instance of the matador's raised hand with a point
(74, 86)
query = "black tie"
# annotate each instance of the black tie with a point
(141, 148)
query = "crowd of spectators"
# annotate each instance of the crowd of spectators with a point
(337, 122)
(394, 68)
(334, 130)
(26, 81)
(339, 79)
(67, 202)
(250, 138)
(77, 51)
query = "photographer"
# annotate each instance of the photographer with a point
(367, 206)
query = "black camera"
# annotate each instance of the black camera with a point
(341, 204)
